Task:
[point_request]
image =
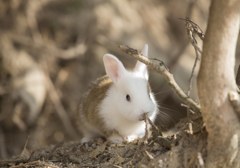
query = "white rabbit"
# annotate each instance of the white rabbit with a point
(116, 104)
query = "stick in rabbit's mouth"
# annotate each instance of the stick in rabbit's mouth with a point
(145, 138)
(153, 127)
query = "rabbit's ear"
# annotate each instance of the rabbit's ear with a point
(113, 67)
(141, 67)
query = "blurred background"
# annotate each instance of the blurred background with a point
(51, 50)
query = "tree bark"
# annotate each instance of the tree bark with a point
(215, 81)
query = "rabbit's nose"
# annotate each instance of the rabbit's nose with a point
(143, 116)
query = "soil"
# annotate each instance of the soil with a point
(181, 149)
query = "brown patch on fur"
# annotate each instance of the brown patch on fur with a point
(90, 104)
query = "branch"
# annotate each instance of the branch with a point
(193, 30)
(161, 69)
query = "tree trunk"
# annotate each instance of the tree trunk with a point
(215, 81)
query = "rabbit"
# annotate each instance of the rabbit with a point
(115, 106)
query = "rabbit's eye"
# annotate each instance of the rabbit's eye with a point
(128, 98)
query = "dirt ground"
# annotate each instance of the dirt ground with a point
(181, 149)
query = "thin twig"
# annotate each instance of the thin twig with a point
(161, 69)
(193, 30)
(25, 152)
(149, 155)
(192, 73)
(154, 126)
(145, 138)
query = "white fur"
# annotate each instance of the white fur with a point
(118, 113)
